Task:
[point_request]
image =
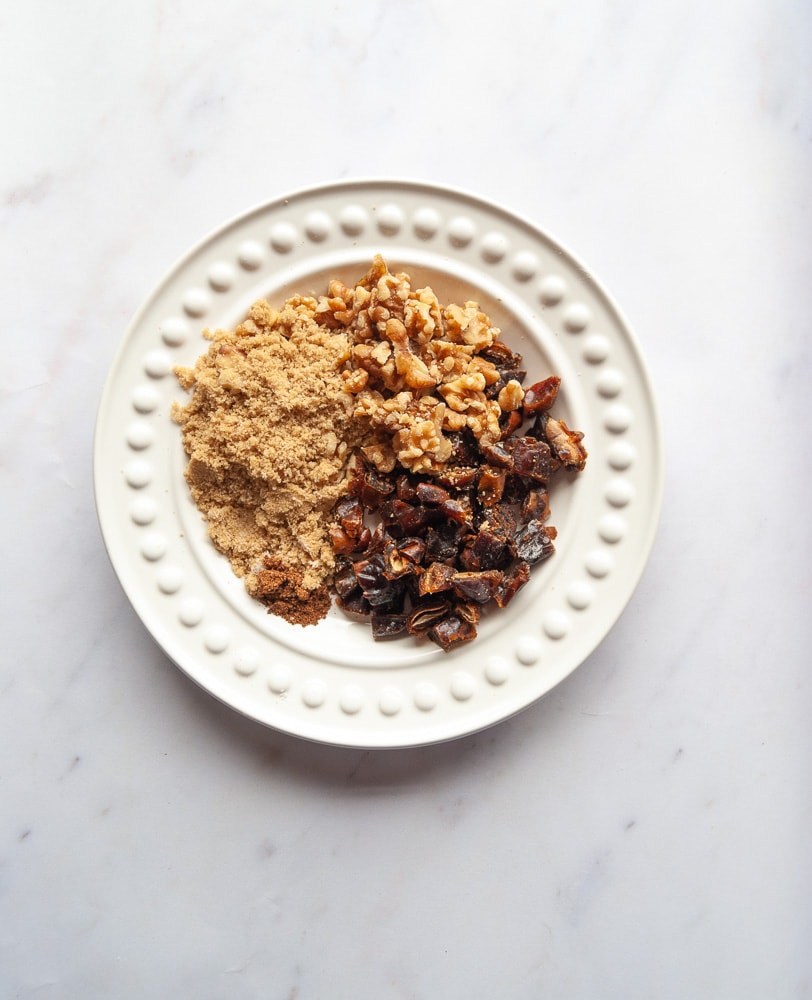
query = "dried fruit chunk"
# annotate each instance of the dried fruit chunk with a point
(350, 514)
(369, 486)
(376, 587)
(498, 454)
(345, 581)
(443, 541)
(500, 355)
(536, 505)
(514, 579)
(491, 486)
(477, 586)
(541, 396)
(342, 543)
(427, 613)
(388, 626)
(431, 494)
(534, 542)
(436, 578)
(468, 611)
(457, 477)
(485, 550)
(403, 558)
(531, 458)
(460, 509)
(452, 631)
(355, 604)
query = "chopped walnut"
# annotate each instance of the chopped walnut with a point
(414, 371)
(485, 368)
(422, 447)
(453, 421)
(355, 380)
(485, 424)
(423, 315)
(464, 393)
(381, 455)
(421, 371)
(448, 360)
(511, 396)
(469, 325)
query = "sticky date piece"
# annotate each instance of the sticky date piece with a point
(534, 542)
(452, 631)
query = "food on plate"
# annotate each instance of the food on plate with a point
(269, 431)
(379, 446)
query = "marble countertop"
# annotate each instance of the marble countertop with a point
(643, 830)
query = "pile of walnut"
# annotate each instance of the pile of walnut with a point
(456, 467)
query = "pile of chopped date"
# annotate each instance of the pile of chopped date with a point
(447, 543)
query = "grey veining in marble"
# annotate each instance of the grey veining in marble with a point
(643, 832)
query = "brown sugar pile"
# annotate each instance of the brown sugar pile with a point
(269, 431)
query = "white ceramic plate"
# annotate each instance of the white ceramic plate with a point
(331, 682)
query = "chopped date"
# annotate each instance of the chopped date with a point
(447, 543)
(534, 542)
(456, 477)
(350, 514)
(513, 580)
(403, 557)
(477, 586)
(485, 550)
(412, 522)
(443, 541)
(531, 458)
(404, 518)
(468, 611)
(491, 485)
(502, 521)
(464, 448)
(345, 580)
(393, 509)
(436, 578)
(500, 355)
(516, 489)
(540, 396)
(388, 626)
(376, 587)
(536, 505)
(498, 455)
(368, 485)
(427, 613)
(377, 540)
(452, 631)
(355, 604)
(342, 543)
(431, 494)
(460, 510)
(405, 488)
(509, 423)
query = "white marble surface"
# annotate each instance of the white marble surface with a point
(644, 831)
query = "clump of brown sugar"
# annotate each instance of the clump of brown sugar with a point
(280, 589)
(269, 431)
